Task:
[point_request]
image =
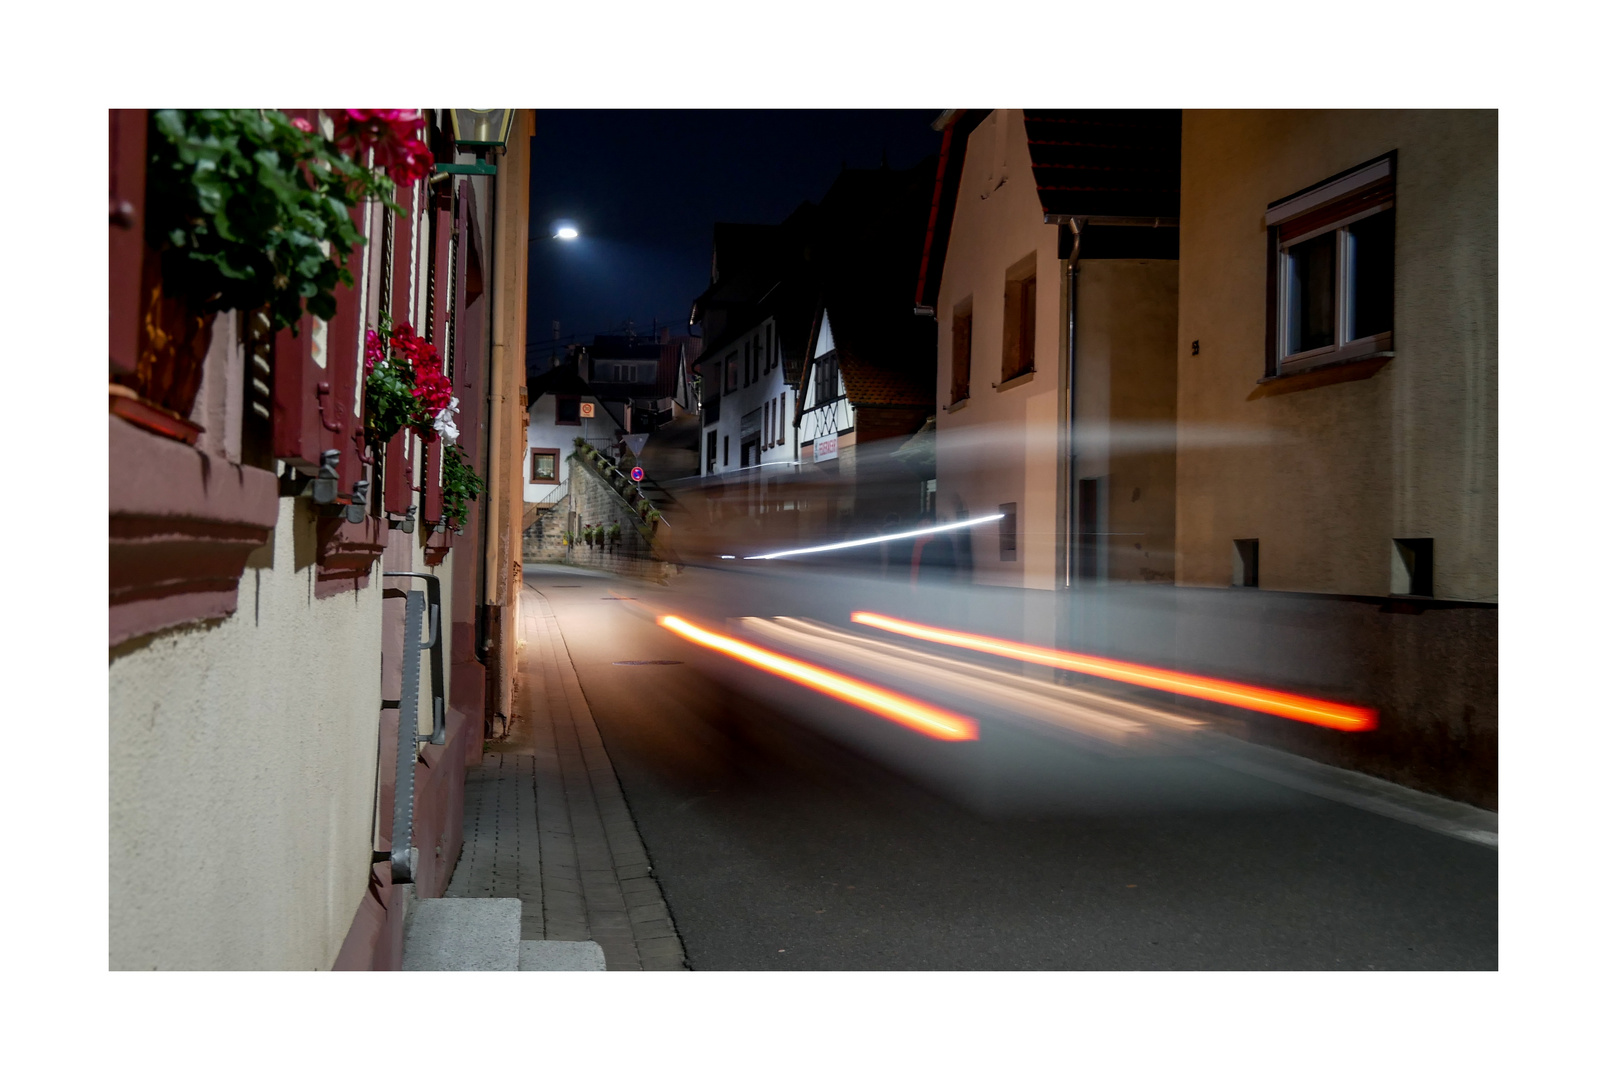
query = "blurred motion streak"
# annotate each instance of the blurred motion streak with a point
(926, 719)
(1327, 714)
(946, 527)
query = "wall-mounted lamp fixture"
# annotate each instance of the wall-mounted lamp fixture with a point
(478, 130)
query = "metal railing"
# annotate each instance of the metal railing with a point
(403, 855)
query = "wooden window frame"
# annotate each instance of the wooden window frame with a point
(1018, 356)
(1008, 532)
(960, 351)
(553, 450)
(557, 408)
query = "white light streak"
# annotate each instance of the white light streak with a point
(968, 523)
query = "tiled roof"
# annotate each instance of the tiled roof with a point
(1107, 162)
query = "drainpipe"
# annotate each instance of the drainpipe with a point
(482, 645)
(1066, 404)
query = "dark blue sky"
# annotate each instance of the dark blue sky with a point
(645, 188)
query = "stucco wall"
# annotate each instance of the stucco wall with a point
(1410, 452)
(1124, 409)
(242, 758)
(544, 430)
(1000, 446)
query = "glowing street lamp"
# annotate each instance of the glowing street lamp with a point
(566, 232)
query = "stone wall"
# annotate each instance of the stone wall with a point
(591, 501)
(544, 537)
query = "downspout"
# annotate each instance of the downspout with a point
(1067, 403)
(482, 646)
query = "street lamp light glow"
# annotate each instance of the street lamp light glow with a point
(566, 232)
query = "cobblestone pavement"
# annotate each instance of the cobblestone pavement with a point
(544, 820)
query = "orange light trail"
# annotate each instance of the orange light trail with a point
(926, 719)
(1327, 714)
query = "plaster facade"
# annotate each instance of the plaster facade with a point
(756, 406)
(998, 446)
(1001, 445)
(239, 799)
(1350, 467)
(543, 431)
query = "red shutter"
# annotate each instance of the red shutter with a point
(298, 427)
(126, 193)
(432, 480)
(398, 304)
(311, 402)
(346, 334)
(443, 279)
(399, 473)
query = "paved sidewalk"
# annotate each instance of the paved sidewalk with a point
(544, 820)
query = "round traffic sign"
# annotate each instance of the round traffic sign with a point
(637, 473)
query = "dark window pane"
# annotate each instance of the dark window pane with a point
(568, 410)
(1372, 275)
(1311, 293)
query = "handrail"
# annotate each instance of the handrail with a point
(403, 855)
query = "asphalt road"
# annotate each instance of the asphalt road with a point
(789, 832)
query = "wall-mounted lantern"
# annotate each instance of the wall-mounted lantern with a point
(481, 127)
(478, 130)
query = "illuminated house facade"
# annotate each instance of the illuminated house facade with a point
(266, 566)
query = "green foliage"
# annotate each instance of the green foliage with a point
(249, 211)
(460, 484)
(388, 401)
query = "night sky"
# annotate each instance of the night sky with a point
(645, 187)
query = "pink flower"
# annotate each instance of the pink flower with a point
(391, 133)
(374, 352)
(301, 123)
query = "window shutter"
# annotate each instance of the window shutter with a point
(433, 449)
(126, 196)
(399, 302)
(301, 383)
(311, 406)
(345, 340)
(399, 473)
(441, 288)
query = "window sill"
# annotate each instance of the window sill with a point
(182, 524)
(956, 406)
(1349, 369)
(1014, 381)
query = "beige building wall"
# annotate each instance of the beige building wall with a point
(1409, 452)
(999, 447)
(1126, 368)
(242, 773)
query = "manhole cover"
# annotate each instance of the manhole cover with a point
(639, 663)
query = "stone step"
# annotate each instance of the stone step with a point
(478, 934)
(462, 934)
(561, 956)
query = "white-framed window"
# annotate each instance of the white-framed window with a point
(1332, 257)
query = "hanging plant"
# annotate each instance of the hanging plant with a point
(460, 484)
(405, 385)
(250, 209)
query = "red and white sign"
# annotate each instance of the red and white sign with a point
(826, 447)
(587, 410)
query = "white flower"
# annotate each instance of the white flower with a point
(446, 422)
